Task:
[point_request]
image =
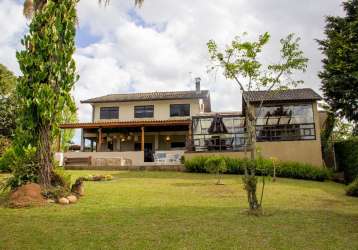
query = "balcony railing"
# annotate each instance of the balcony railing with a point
(237, 141)
(222, 142)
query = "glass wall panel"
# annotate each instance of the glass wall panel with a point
(289, 114)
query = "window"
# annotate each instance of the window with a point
(179, 110)
(285, 114)
(109, 113)
(144, 111)
(287, 132)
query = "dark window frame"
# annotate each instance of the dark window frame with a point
(145, 113)
(109, 113)
(175, 112)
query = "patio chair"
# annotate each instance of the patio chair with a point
(160, 157)
(229, 145)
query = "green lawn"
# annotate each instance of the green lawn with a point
(165, 210)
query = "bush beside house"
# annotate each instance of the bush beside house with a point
(7, 160)
(347, 158)
(352, 189)
(293, 170)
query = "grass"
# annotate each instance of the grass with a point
(165, 210)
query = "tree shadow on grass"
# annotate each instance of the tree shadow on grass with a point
(168, 175)
(192, 184)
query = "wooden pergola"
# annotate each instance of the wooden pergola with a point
(125, 124)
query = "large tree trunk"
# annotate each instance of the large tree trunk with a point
(44, 155)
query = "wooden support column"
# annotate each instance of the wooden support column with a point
(99, 144)
(82, 140)
(190, 133)
(59, 142)
(142, 141)
(190, 138)
(156, 141)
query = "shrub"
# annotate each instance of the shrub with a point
(216, 165)
(61, 178)
(7, 160)
(196, 164)
(304, 171)
(235, 166)
(56, 193)
(24, 169)
(352, 189)
(347, 158)
(295, 170)
(5, 144)
(107, 177)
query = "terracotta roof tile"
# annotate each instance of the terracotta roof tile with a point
(149, 96)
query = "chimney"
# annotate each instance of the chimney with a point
(197, 84)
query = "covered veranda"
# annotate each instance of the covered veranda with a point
(139, 142)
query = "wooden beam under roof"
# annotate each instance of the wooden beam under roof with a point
(126, 124)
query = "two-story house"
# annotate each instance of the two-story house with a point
(142, 122)
(162, 126)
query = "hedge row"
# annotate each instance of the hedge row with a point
(347, 158)
(293, 170)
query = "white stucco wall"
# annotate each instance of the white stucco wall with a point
(161, 109)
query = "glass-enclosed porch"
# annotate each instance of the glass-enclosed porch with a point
(274, 122)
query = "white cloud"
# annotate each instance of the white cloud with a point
(13, 26)
(98, 76)
(132, 54)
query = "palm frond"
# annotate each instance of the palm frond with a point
(31, 6)
(28, 8)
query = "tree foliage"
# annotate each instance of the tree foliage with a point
(240, 62)
(7, 82)
(7, 102)
(340, 63)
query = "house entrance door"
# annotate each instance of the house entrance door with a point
(148, 151)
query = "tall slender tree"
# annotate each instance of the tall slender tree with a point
(340, 64)
(48, 76)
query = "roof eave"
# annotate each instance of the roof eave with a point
(205, 94)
